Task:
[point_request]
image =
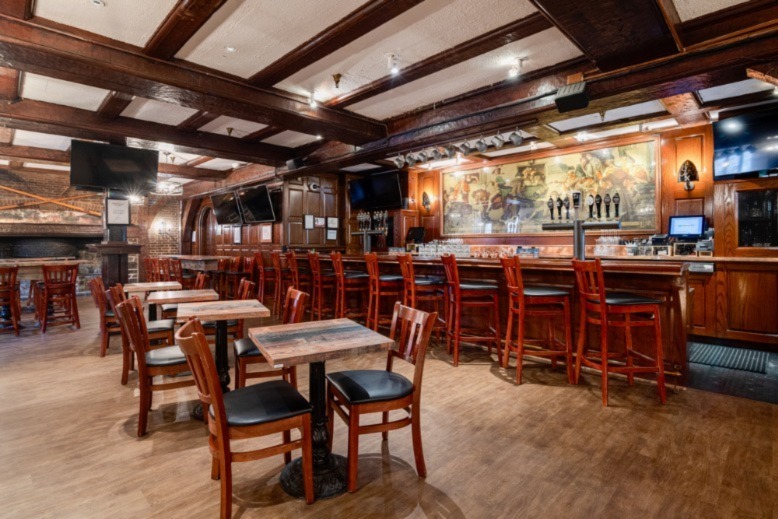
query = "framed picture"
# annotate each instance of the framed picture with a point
(332, 234)
(332, 222)
(308, 221)
(266, 233)
(319, 221)
(117, 211)
(236, 235)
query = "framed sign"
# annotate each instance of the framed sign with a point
(332, 234)
(266, 233)
(117, 211)
(236, 235)
(308, 221)
(332, 222)
(319, 221)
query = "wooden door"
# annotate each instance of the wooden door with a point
(206, 233)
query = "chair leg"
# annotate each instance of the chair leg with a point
(240, 372)
(579, 350)
(520, 349)
(457, 332)
(628, 340)
(292, 376)
(568, 342)
(604, 359)
(214, 465)
(103, 340)
(125, 364)
(506, 356)
(74, 310)
(385, 419)
(418, 452)
(225, 469)
(287, 437)
(353, 449)
(330, 420)
(496, 322)
(307, 459)
(145, 405)
(660, 363)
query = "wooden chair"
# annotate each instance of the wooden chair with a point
(246, 352)
(10, 298)
(57, 302)
(248, 412)
(301, 278)
(232, 277)
(283, 281)
(219, 277)
(603, 309)
(352, 394)
(322, 285)
(152, 270)
(166, 361)
(234, 326)
(201, 282)
(380, 286)
(537, 301)
(465, 295)
(264, 275)
(423, 290)
(177, 273)
(346, 283)
(109, 324)
(164, 269)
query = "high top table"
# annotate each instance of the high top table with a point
(151, 286)
(314, 343)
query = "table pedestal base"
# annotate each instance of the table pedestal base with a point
(329, 480)
(222, 366)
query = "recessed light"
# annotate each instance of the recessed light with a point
(230, 49)
(318, 137)
(98, 3)
(235, 165)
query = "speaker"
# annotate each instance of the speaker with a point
(295, 163)
(572, 97)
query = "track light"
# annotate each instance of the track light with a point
(422, 156)
(481, 145)
(312, 101)
(392, 65)
(465, 148)
(516, 138)
(498, 141)
(399, 161)
(410, 160)
(449, 151)
(435, 153)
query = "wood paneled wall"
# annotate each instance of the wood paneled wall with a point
(311, 195)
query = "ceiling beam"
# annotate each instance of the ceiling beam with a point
(113, 105)
(17, 8)
(29, 47)
(477, 46)
(74, 122)
(10, 80)
(183, 21)
(672, 20)
(358, 23)
(685, 108)
(197, 121)
(726, 22)
(767, 72)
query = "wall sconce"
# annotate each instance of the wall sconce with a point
(426, 202)
(165, 231)
(688, 173)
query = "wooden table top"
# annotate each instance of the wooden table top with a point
(38, 262)
(223, 310)
(189, 257)
(152, 286)
(287, 345)
(182, 296)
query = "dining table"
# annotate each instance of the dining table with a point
(152, 286)
(314, 343)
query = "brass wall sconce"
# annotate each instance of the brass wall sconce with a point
(688, 173)
(426, 202)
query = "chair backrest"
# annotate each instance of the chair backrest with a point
(511, 266)
(202, 281)
(236, 263)
(291, 262)
(117, 291)
(337, 266)
(133, 322)
(58, 275)
(176, 271)
(294, 309)
(245, 289)
(223, 264)
(152, 269)
(248, 264)
(374, 276)
(314, 262)
(275, 257)
(8, 276)
(194, 345)
(409, 277)
(164, 269)
(452, 275)
(411, 331)
(97, 288)
(590, 282)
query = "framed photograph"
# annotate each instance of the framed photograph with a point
(332, 234)
(236, 235)
(117, 211)
(319, 221)
(194, 236)
(332, 222)
(308, 221)
(266, 233)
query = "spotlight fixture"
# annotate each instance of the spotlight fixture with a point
(449, 151)
(312, 101)
(582, 136)
(498, 141)
(516, 138)
(465, 148)
(392, 65)
(515, 70)
(399, 161)
(435, 153)
(481, 145)
(410, 159)
(422, 156)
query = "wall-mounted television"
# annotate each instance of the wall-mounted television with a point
(226, 210)
(97, 166)
(374, 192)
(745, 146)
(256, 205)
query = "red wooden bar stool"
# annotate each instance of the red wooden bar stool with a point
(231, 278)
(463, 295)
(603, 309)
(164, 269)
(380, 286)
(264, 275)
(283, 281)
(348, 282)
(418, 290)
(301, 278)
(323, 285)
(10, 298)
(536, 301)
(57, 302)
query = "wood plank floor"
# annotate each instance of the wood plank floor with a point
(493, 449)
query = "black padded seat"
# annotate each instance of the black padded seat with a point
(263, 403)
(109, 313)
(162, 325)
(169, 356)
(212, 324)
(327, 273)
(246, 348)
(474, 285)
(170, 307)
(355, 275)
(390, 277)
(625, 298)
(429, 280)
(370, 385)
(545, 291)
(189, 276)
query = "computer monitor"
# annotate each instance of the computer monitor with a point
(687, 227)
(415, 235)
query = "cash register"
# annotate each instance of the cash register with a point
(685, 232)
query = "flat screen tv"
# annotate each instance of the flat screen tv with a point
(97, 166)
(374, 192)
(226, 210)
(256, 205)
(745, 146)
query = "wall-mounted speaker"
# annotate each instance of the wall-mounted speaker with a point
(572, 97)
(295, 163)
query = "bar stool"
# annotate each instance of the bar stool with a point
(470, 294)
(348, 282)
(164, 269)
(540, 301)
(301, 278)
(231, 277)
(57, 300)
(323, 284)
(10, 298)
(600, 308)
(264, 275)
(423, 289)
(387, 286)
(152, 269)
(283, 281)
(177, 273)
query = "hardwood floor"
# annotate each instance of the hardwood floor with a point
(493, 449)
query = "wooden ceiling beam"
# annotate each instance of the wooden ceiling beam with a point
(9, 84)
(17, 8)
(672, 20)
(767, 72)
(113, 105)
(477, 46)
(74, 122)
(39, 49)
(685, 108)
(6, 135)
(183, 21)
(727, 22)
(197, 121)
(358, 23)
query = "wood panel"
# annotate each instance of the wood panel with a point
(429, 182)
(725, 200)
(752, 301)
(704, 304)
(317, 196)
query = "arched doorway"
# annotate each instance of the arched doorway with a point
(206, 233)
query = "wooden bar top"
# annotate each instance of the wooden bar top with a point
(222, 310)
(190, 257)
(38, 262)
(316, 341)
(182, 296)
(152, 286)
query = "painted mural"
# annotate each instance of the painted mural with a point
(618, 183)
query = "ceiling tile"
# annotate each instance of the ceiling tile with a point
(540, 50)
(132, 22)
(616, 114)
(157, 111)
(221, 164)
(688, 9)
(54, 167)
(41, 140)
(291, 139)
(50, 90)
(240, 127)
(260, 31)
(4, 162)
(739, 88)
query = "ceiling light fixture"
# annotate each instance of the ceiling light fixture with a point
(399, 161)
(318, 137)
(435, 153)
(481, 145)
(498, 141)
(582, 136)
(449, 151)
(516, 138)
(422, 156)
(230, 49)
(410, 159)
(98, 3)
(312, 100)
(515, 70)
(465, 148)
(392, 64)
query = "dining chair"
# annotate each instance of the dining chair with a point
(164, 269)
(283, 278)
(354, 393)
(151, 363)
(246, 352)
(152, 269)
(109, 324)
(10, 297)
(429, 291)
(248, 412)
